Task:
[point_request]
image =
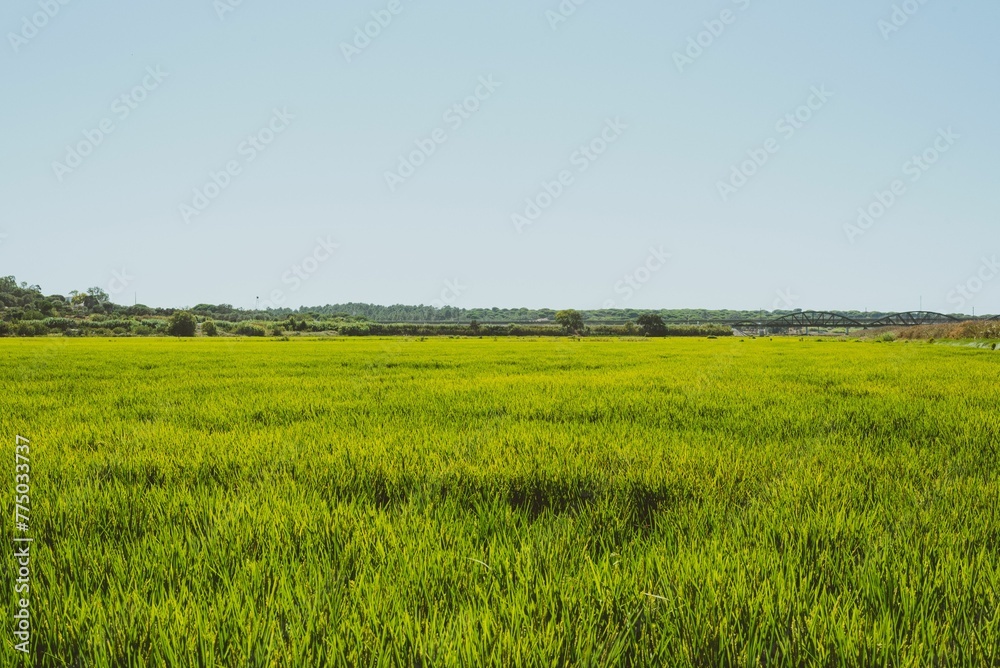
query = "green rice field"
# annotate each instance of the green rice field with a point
(512, 502)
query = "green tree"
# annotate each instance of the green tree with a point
(95, 299)
(570, 320)
(208, 328)
(652, 324)
(182, 323)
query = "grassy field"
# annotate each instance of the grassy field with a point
(507, 502)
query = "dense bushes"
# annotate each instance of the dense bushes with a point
(60, 324)
(380, 329)
(668, 330)
(402, 329)
(185, 324)
(248, 329)
(30, 329)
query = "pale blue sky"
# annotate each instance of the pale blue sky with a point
(655, 187)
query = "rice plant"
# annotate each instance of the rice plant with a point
(510, 502)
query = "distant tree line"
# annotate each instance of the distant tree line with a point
(26, 311)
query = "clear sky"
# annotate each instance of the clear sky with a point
(303, 121)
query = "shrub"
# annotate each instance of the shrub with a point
(570, 320)
(61, 324)
(182, 323)
(652, 324)
(208, 328)
(354, 329)
(249, 329)
(31, 329)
